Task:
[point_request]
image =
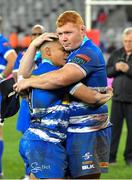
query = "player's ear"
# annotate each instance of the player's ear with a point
(83, 28)
(48, 51)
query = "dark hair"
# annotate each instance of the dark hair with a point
(54, 39)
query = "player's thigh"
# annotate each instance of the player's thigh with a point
(46, 160)
(88, 153)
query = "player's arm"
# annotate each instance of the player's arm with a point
(10, 58)
(27, 61)
(90, 96)
(65, 76)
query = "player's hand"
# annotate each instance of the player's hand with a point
(103, 98)
(21, 85)
(109, 90)
(42, 38)
(24, 93)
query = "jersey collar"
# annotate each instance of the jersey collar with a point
(47, 61)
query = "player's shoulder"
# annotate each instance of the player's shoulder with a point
(3, 39)
(90, 49)
(84, 53)
(4, 43)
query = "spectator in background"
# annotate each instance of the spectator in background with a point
(24, 114)
(111, 48)
(7, 60)
(14, 40)
(101, 17)
(119, 67)
(25, 41)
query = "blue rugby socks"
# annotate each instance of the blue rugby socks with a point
(1, 153)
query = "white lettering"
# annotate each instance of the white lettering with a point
(91, 166)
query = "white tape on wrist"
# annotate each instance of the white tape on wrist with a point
(20, 78)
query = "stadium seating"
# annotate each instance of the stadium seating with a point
(21, 15)
(18, 13)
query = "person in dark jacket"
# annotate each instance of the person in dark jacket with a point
(119, 67)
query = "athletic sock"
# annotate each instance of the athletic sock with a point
(1, 153)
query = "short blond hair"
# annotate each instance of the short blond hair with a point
(127, 31)
(69, 16)
(39, 26)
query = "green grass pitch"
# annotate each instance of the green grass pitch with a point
(13, 165)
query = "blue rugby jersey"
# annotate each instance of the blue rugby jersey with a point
(5, 49)
(83, 118)
(49, 111)
(17, 62)
(23, 120)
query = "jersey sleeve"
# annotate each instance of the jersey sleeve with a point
(5, 48)
(17, 62)
(86, 59)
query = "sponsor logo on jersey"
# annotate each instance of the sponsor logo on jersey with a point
(87, 162)
(87, 156)
(90, 166)
(80, 59)
(103, 164)
(84, 57)
(36, 167)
